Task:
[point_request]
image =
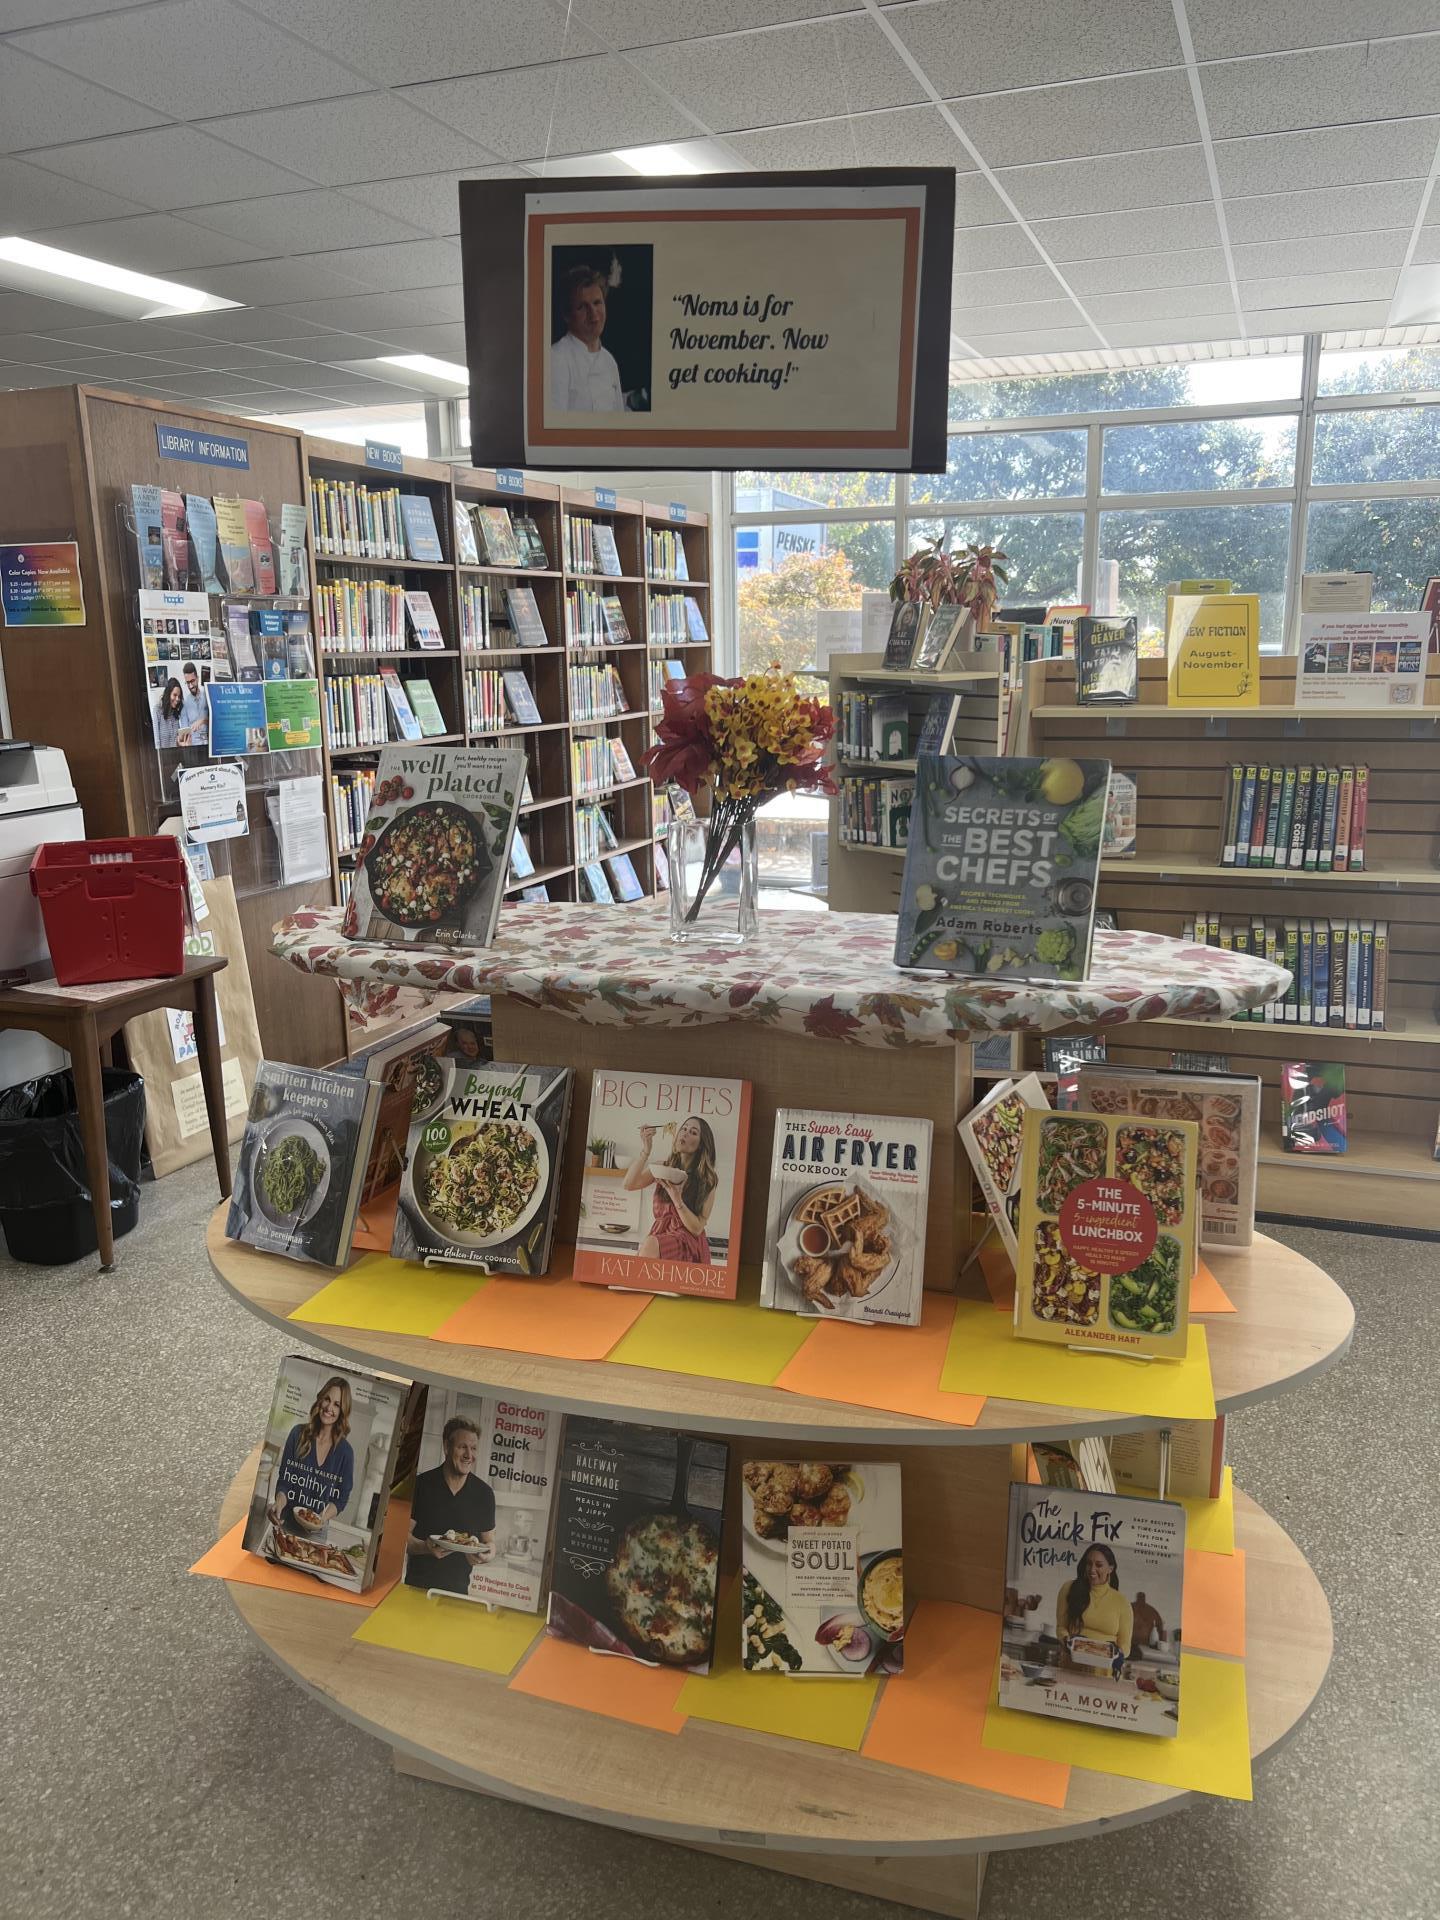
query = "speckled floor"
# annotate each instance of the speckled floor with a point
(155, 1763)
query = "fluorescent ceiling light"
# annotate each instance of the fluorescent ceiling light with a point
(74, 277)
(662, 160)
(1417, 297)
(445, 373)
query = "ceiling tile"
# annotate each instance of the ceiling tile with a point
(1318, 289)
(281, 283)
(301, 222)
(1383, 81)
(33, 199)
(1028, 42)
(20, 379)
(206, 380)
(978, 248)
(446, 340)
(1322, 319)
(1196, 267)
(1328, 157)
(1220, 325)
(578, 103)
(1156, 303)
(36, 99)
(41, 350)
(433, 39)
(125, 336)
(1030, 340)
(984, 287)
(805, 72)
(404, 263)
(29, 313)
(149, 243)
(1222, 29)
(430, 201)
(1293, 216)
(893, 137)
(195, 56)
(1427, 252)
(641, 23)
(1124, 115)
(1026, 314)
(15, 14)
(372, 312)
(336, 142)
(1167, 176)
(977, 204)
(169, 167)
(1334, 254)
(261, 324)
(316, 347)
(1103, 235)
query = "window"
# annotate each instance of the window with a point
(1197, 383)
(1043, 549)
(1360, 447)
(1380, 370)
(1396, 540)
(786, 576)
(1009, 466)
(1199, 456)
(1153, 547)
(774, 492)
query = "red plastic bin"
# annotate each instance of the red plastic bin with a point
(113, 909)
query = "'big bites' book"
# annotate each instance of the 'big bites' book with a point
(1094, 1587)
(1001, 867)
(302, 1162)
(436, 848)
(1107, 1231)
(664, 1183)
(845, 1225)
(484, 1488)
(639, 1513)
(325, 1471)
(1312, 1107)
(482, 1173)
(823, 1579)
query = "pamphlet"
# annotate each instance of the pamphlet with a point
(1362, 660)
(212, 802)
(237, 717)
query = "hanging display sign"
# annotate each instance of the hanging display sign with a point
(723, 321)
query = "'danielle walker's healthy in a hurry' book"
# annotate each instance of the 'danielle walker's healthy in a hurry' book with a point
(1001, 867)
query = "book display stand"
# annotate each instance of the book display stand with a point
(804, 1806)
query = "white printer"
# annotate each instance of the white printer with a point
(37, 803)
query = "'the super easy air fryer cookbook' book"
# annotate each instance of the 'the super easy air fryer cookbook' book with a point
(432, 864)
(1001, 867)
(845, 1226)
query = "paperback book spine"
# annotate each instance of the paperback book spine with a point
(1344, 814)
(1382, 974)
(1319, 788)
(1365, 990)
(1358, 812)
(1320, 1002)
(1280, 852)
(1292, 962)
(1272, 816)
(1338, 963)
(1300, 826)
(1304, 1007)
(1325, 853)
(1352, 973)
(1246, 818)
(1234, 787)
(1262, 815)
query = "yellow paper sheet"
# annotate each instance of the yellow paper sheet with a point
(390, 1296)
(986, 1357)
(1210, 1753)
(447, 1628)
(829, 1713)
(1209, 1524)
(726, 1339)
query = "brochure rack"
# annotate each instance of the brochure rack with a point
(797, 1807)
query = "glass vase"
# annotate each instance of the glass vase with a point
(712, 899)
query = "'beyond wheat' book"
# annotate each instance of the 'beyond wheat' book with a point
(664, 1183)
(845, 1225)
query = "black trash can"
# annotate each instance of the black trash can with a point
(45, 1200)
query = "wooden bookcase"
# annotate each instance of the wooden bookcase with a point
(864, 878)
(1389, 1176)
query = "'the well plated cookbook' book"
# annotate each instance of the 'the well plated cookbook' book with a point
(302, 1161)
(433, 861)
(845, 1226)
(664, 1183)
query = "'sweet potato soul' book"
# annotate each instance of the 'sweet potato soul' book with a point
(1094, 1586)
(433, 860)
(482, 1173)
(325, 1471)
(302, 1162)
(664, 1183)
(845, 1226)
(1001, 867)
(638, 1520)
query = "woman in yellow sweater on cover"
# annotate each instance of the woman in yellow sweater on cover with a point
(1093, 1605)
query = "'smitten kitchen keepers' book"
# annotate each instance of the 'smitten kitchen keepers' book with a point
(302, 1161)
(433, 861)
(1001, 867)
(482, 1168)
(1094, 1584)
(845, 1227)
(664, 1183)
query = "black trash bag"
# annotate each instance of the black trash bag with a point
(45, 1201)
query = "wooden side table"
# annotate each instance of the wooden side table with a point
(83, 1020)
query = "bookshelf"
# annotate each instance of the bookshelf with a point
(1179, 759)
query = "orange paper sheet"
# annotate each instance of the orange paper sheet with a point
(893, 1368)
(931, 1720)
(228, 1560)
(1206, 1293)
(599, 1683)
(552, 1315)
(1215, 1602)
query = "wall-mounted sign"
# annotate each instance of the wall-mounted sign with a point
(509, 480)
(389, 459)
(40, 584)
(711, 322)
(207, 449)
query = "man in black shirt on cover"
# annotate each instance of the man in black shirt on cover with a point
(450, 1498)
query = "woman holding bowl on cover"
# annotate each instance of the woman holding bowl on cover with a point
(315, 1473)
(685, 1183)
(1092, 1605)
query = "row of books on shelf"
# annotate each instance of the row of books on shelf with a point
(590, 546)
(599, 762)
(662, 671)
(374, 616)
(1309, 818)
(195, 542)
(495, 700)
(665, 554)
(1340, 968)
(923, 638)
(676, 621)
(492, 536)
(874, 809)
(595, 832)
(607, 882)
(367, 709)
(350, 796)
(351, 520)
(596, 692)
(878, 726)
(589, 621)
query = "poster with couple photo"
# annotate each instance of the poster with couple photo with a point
(182, 656)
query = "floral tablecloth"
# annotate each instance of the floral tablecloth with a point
(830, 975)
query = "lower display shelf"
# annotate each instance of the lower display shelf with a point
(716, 1786)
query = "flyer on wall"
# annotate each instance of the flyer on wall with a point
(40, 584)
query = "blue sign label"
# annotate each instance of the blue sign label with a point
(677, 510)
(209, 449)
(509, 480)
(377, 454)
(605, 498)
